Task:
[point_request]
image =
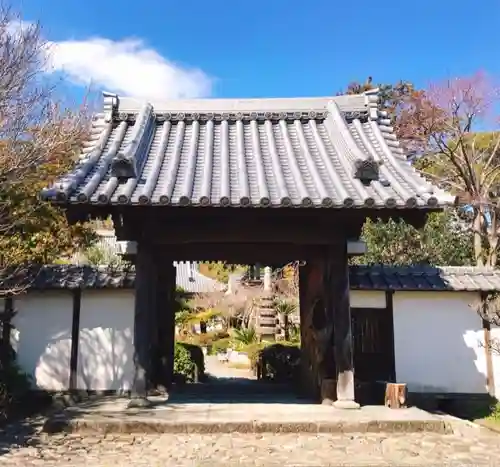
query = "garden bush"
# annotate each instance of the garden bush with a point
(220, 345)
(253, 351)
(280, 363)
(15, 387)
(206, 339)
(189, 363)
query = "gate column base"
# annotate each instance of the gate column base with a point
(346, 404)
(139, 403)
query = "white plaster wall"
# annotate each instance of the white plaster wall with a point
(105, 348)
(42, 337)
(439, 342)
(367, 299)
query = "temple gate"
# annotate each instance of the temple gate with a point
(246, 181)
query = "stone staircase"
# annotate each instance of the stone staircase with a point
(266, 322)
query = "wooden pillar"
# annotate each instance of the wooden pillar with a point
(337, 302)
(6, 317)
(311, 300)
(165, 319)
(144, 322)
(75, 339)
(327, 347)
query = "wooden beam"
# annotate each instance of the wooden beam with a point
(246, 232)
(337, 217)
(75, 338)
(243, 253)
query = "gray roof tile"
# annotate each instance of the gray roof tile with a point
(427, 278)
(191, 280)
(89, 277)
(317, 152)
(397, 278)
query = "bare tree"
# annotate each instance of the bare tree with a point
(455, 125)
(39, 140)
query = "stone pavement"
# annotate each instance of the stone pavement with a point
(210, 415)
(216, 369)
(24, 446)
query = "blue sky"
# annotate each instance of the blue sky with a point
(222, 48)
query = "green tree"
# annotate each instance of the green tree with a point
(442, 241)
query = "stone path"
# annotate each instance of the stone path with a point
(20, 446)
(216, 369)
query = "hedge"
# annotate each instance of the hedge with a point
(189, 363)
(279, 363)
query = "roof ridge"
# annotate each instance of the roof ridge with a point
(121, 105)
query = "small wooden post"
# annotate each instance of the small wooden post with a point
(395, 395)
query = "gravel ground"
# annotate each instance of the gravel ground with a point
(24, 445)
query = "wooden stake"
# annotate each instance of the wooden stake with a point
(395, 395)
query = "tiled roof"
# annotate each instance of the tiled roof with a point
(319, 152)
(71, 276)
(191, 280)
(397, 278)
(456, 278)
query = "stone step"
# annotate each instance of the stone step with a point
(267, 314)
(265, 321)
(244, 418)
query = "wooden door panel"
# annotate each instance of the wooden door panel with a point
(373, 338)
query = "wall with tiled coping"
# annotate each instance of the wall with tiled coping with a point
(438, 339)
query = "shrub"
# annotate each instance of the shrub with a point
(14, 388)
(253, 351)
(220, 345)
(495, 412)
(218, 335)
(280, 363)
(196, 355)
(204, 340)
(189, 363)
(184, 367)
(243, 337)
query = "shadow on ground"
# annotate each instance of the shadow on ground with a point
(238, 391)
(24, 424)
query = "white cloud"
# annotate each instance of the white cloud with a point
(128, 67)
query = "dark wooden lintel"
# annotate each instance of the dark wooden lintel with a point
(242, 253)
(349, 221)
